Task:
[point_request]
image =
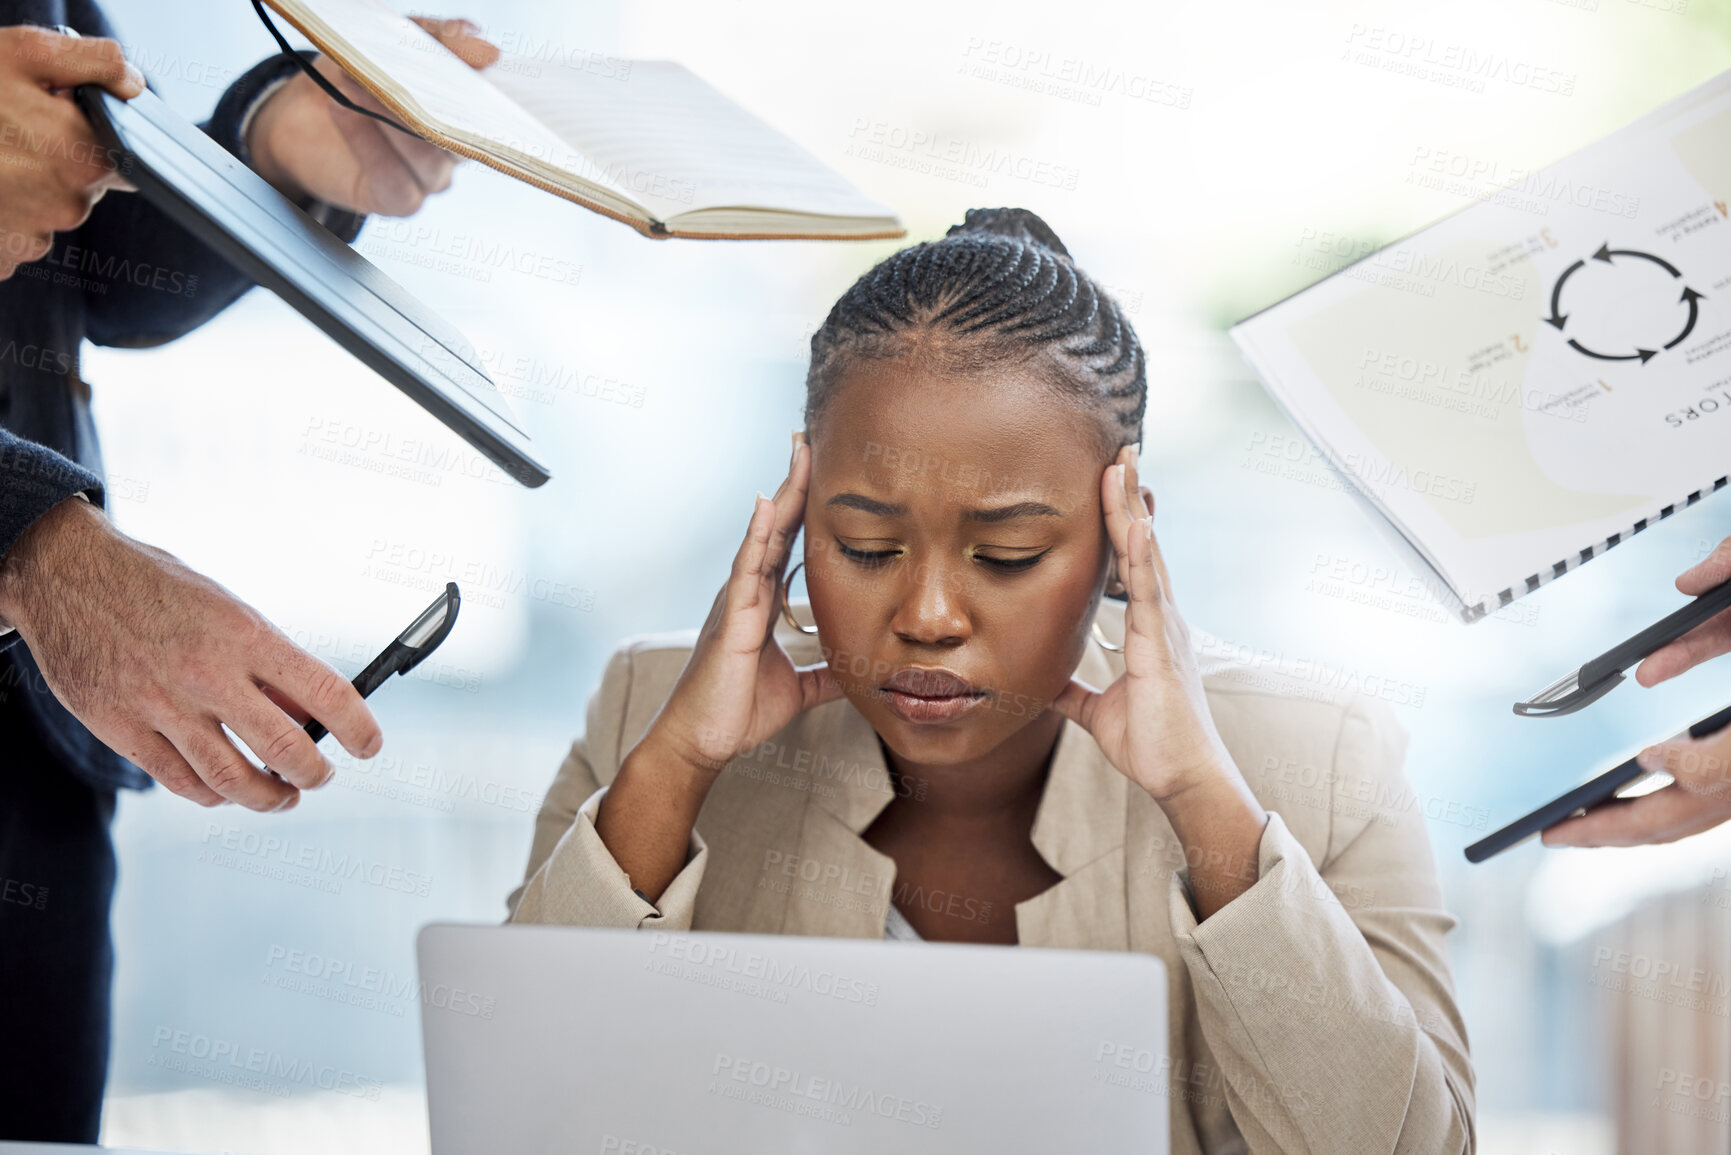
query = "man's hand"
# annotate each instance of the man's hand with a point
(308, 145)
(155, 659)
(1707, 640)
(1700, 798)
(53, 170)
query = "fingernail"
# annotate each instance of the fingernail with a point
(1652, 759)
(288, 803)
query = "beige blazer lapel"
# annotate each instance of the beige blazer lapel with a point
(1079, 831)
(840, 886)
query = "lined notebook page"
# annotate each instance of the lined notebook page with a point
(673, 143)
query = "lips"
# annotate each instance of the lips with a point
(930, 696)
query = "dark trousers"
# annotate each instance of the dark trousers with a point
(56, 959)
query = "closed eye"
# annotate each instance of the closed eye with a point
(1012, 564)
(870, 558)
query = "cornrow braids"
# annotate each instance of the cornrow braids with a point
(999, 288)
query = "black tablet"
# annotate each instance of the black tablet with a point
(232, 209)
(1581, 799)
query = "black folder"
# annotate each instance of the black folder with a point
(232, 209)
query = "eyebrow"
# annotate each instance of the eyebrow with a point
(990, 516)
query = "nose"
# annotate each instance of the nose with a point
(931, 610)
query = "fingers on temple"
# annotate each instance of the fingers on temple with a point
(1143, 580)
(745, 584)
(789, 508)
(1117, 510)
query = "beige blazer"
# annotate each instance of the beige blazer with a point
(1314, 1013)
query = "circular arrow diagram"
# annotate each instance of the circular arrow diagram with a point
(1558, 318)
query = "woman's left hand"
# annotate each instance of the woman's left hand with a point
(1153, 722)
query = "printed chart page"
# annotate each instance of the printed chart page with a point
(1540, 373)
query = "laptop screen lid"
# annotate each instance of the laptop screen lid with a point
(543, 1039)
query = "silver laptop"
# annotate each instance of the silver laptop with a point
(612, 1042)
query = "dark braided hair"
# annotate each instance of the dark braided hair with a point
(998, 289)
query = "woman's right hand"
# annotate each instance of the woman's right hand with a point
(739, 686)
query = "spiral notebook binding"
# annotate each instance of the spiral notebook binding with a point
(1473, 613)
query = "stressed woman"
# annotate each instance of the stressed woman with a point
(962, 738)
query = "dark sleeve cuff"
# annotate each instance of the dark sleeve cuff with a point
(33, 480)
(227, 123)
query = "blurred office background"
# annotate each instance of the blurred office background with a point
(1203, 161)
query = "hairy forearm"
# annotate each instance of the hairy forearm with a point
(647, 815)
(43, 551)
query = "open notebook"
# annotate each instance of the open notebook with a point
(1528, 382)
(644, 142)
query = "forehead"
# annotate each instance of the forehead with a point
(972, 435)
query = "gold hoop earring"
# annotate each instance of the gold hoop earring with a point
(786, 610)
(1100, 639)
